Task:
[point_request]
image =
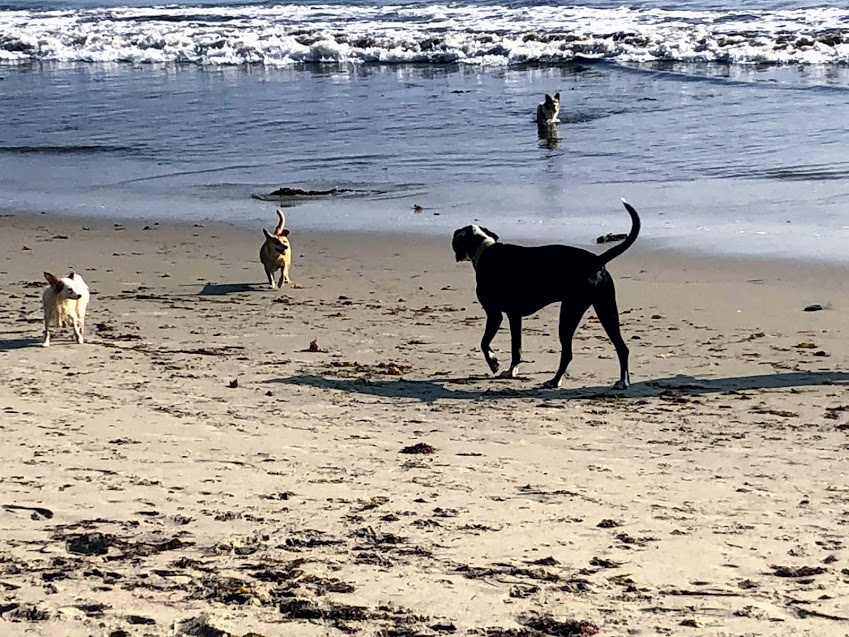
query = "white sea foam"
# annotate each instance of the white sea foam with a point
(493, 35)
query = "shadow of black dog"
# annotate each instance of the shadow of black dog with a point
(452, 388)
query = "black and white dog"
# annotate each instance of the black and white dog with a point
(520, 281)
(548, 110)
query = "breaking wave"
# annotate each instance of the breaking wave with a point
(290, 34)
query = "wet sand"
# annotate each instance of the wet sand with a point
(199, 463)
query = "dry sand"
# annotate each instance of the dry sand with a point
(711, 498)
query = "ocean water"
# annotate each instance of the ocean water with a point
(725, 126)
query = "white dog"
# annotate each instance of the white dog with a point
(64, 304)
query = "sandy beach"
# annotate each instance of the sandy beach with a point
(198, 467)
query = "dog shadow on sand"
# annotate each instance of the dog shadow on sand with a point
(442, 388)
(10, 344)
(221, 289)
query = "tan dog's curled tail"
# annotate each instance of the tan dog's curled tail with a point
(281, 223)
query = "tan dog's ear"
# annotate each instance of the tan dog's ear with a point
(53, 281)
(265, 232)
(283, 233)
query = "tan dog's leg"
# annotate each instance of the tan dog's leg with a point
(46, 341)
(270, 276)
(284, 278)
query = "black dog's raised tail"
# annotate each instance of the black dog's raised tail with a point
(616, 250)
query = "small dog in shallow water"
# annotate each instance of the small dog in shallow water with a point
(276, 253)
(548, 110)
(520, 281)
(64, 305)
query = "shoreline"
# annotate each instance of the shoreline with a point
(646, 249)
(199, 460)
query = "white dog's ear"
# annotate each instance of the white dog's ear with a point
(71, 275)
(284, 232)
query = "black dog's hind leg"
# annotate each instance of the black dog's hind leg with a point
(570, 317)
(608, 316)
(493, 322)
(516, 346)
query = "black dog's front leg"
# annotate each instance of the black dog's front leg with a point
(516, 346)
(493, 322)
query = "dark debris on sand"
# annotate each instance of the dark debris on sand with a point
(540, 625)
(419, 448)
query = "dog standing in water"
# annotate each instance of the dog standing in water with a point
(64, 303)
(547, 111)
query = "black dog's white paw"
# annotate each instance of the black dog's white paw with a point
(551, 384)
(623, 383)
(493, 365)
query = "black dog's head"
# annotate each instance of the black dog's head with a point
(468, 242)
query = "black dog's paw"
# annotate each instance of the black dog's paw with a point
(493, 365)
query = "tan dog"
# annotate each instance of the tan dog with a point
(276, 253)
(64, 304)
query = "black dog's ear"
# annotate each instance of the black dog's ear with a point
(490, 233)
(557, 96)
(548, 99)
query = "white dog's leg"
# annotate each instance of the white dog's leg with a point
(78, 331)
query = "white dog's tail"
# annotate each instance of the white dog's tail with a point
(280, 223)
(616, 250)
